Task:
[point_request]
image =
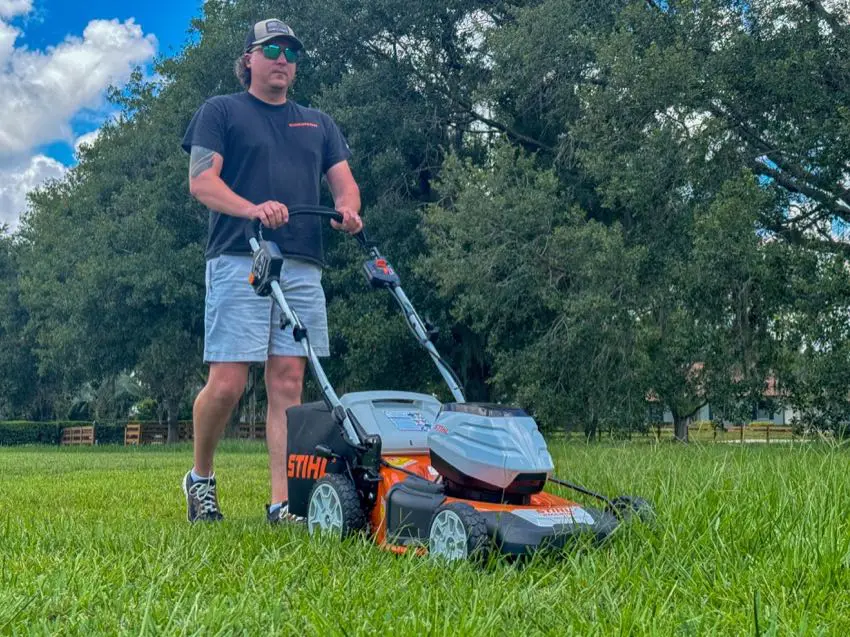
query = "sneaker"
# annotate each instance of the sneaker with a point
(282, 515)
(201, 499)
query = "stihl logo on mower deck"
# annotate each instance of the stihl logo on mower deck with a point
(307, 467)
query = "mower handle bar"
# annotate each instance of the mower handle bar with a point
(411, 317)
(319, 211)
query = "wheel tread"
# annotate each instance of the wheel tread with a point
(353, 517)
(478, 538)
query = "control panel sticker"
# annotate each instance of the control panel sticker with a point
(408, 420)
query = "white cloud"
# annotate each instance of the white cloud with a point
(85, 140)
(8, 35)
(19, 177)
(11, 8)
(44, 90)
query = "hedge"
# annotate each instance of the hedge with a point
(109, 434)
(23, 432)
(17, 432)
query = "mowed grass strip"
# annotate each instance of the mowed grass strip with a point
(752, 538)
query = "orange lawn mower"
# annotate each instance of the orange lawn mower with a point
(456, 480)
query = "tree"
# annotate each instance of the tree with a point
(550, 293)
(20, 392)
(597, 202)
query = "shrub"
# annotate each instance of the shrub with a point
(21, 432)
(109, 434)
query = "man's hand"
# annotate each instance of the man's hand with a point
(271, 214)
(351, 221)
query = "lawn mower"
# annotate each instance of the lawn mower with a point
(456, 480)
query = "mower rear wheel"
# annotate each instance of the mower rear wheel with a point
(334, 507)
(458, 532)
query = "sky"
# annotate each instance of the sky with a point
(57, 58)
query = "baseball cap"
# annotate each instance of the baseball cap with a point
(266, 30)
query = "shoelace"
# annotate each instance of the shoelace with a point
(205, 493)
(284, 514)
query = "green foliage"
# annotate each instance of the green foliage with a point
(146, 410)
(595, 202)
(50, 433)
(30, 433)
(109, 434)
(525, 269)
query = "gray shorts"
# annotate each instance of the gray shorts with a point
(241, 326)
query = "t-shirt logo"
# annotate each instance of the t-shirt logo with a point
(303, 125)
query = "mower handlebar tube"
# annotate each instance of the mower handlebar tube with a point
(414, 321)
(256, 228)
(419, 329)
(265, 256)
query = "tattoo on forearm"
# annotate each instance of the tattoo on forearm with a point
(200, 160)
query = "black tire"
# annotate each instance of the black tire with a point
(337, 508)
(627, 507)
(467, 536)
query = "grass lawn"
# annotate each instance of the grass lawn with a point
(748, 537)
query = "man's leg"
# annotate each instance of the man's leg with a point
(235, 334)
(213, 408)
(302, 287)
(284, 383)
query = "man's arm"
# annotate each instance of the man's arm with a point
(346, 194)
(207, 186)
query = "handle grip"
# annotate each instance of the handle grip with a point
(255, 228)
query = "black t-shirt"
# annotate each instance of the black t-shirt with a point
(271, 153)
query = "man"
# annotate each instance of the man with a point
(253, 154)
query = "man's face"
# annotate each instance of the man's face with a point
(273, 73)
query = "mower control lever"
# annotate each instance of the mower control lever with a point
(381, 274)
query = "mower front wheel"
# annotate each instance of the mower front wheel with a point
(458, 532)
(627, 507)
(334, 507)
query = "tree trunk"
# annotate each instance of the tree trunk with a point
(591, 429)
(173, 431)
(680, 428)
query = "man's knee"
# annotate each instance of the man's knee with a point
(285, 378)
(226, 382)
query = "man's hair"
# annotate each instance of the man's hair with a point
(243, 73)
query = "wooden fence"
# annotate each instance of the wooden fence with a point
(151, 433)
(78, 435)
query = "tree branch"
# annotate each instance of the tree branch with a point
(834, 207)
(795, 237)
(834, 197)
(830, 18)
(833, 190)
(466, 107)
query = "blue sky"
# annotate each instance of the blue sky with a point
(57, 58)
(53, 20)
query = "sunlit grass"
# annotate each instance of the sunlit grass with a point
(747, 537)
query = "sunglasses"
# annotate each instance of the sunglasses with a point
(273, 51)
